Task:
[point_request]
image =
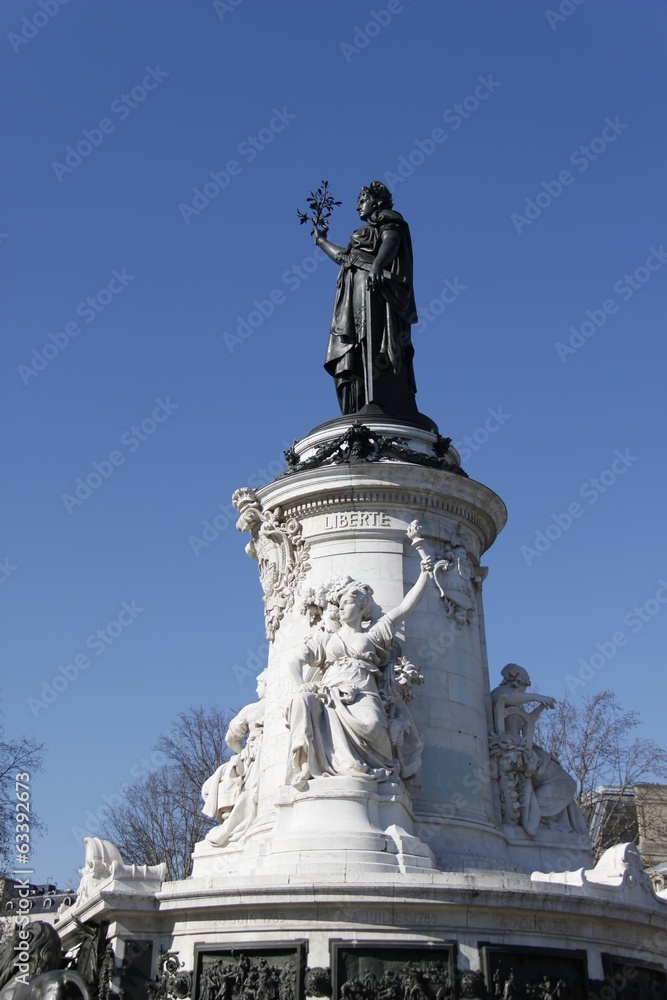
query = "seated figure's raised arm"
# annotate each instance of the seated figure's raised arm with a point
(414, 595)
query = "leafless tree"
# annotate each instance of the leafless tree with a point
(160, 817)
(17, 756)
(196, 742)
(599, 745)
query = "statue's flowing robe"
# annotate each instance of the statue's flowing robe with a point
(230, 794)
(549, 794)
(547, 790)
(393, 311)
(358, 724)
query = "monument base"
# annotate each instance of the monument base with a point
(360, 888)
(598, 929)
(337, 826)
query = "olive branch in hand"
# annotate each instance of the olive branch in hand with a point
(321, 204)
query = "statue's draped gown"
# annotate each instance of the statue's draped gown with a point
(360, 726)
(230, 794)
(392, 309)
(548, 791)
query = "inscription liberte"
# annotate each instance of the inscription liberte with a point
(356, 519)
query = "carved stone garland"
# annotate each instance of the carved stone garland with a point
(281, 553)
(361, 444)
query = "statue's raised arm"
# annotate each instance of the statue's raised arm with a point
(414, 595)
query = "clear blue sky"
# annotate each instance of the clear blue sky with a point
(170, 92)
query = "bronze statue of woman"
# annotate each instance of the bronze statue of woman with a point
(370, 348)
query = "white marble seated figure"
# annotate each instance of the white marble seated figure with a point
(347, 715)
(535, 789)
(230, 795)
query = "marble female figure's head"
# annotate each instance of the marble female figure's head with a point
(515, 676)
(360, 591)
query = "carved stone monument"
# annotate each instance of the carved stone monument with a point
(535, 791)
(387, 826)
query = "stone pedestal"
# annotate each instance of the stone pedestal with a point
(351, 514)
(434, 875)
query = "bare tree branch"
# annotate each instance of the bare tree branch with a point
(598, 744)
(160, 818)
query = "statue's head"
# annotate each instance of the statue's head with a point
(377, 194)
(360, 593)
(515, 675)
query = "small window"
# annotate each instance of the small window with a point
(48, 903)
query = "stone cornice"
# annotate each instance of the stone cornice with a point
(393, 485)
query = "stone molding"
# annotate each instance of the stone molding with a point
(350, 497)
(619, 869)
